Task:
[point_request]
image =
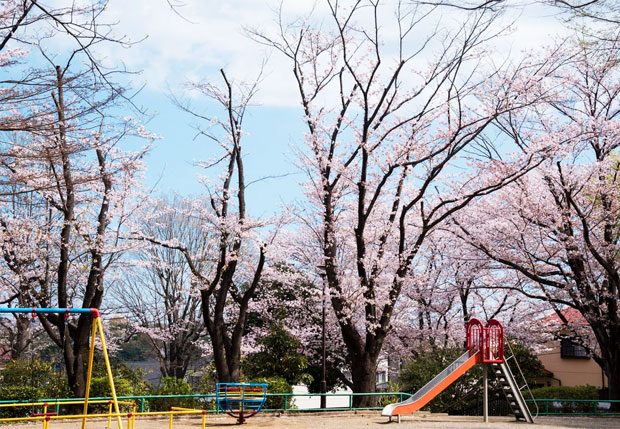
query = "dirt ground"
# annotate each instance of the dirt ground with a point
(348, 421)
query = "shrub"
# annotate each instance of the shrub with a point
(30, 379)
(277, 385)
(100, 386)
(126, 379)
(565, 394)
(390, 399)
(173, 386)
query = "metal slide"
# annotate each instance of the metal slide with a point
(434, 387)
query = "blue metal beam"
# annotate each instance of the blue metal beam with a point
(43, 310)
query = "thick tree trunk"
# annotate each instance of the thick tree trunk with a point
(612, 370)
(76, 372)
(364, 377)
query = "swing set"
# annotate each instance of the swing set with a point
(113, 405)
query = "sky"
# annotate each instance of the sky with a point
(172, 50)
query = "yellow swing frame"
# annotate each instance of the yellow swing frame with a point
(97, 328)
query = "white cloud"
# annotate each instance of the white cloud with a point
(176, 50)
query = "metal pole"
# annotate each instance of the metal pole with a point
(89, 371)
(485, 395)
(323, 363)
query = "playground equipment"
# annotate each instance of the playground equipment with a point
(485, 346)
(241, 400)
(96, 328)
(47, 415)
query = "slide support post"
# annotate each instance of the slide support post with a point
(485, 394)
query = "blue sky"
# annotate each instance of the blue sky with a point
(176, 51)
(272, 132)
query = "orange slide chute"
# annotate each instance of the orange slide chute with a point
(434, 387)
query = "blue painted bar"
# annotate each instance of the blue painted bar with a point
(43, 310)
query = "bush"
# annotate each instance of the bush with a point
(277, 385)
(127, 381)
(566, 392)
(565, 395)
(28, 380)
(173, 386)
(390, 399)
(100, 386)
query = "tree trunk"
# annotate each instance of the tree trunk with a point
(364, 377)
(22, 337)
(612, 370)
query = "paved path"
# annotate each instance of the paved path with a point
(350, 421)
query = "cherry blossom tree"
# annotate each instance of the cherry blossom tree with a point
(556, 230)
(388, 132)
(229, 269)
(65, 181)
(74, 181)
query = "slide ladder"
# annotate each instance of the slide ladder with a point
(512, 390)
(434, 387)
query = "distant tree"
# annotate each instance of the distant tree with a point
(156, 290)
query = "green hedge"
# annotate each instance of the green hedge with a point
(566, 392)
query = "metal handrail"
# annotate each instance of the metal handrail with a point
(142, 400)
(512, 353)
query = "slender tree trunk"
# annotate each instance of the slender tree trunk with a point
(22, 338)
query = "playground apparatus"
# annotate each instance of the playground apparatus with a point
(241, 400)
(485, 346)
(114, 411)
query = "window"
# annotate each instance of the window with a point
(381, 377)
(570, 350)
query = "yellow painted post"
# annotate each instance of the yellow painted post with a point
(170, 421)
(204, 419)
(45, 421)
(89, 371)
(109, 414)
(108, 368)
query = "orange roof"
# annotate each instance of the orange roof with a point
(572, 315)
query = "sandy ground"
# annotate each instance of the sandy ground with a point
(347, 421)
